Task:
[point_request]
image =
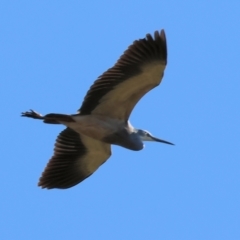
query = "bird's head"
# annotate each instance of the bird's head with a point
(147, 136)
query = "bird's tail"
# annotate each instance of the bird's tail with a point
(52, 118)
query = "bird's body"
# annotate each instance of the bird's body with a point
(105, 129)
(103, 118)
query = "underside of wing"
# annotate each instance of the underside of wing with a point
(139, 69)
(75, 158)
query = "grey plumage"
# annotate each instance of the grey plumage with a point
(103, 118)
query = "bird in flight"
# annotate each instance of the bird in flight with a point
(103, 118)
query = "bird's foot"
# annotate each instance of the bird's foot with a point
(32, 114)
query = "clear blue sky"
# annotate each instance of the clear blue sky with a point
(52, 51)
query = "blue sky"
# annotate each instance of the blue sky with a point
(52, 51)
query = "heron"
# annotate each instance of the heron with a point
(103, 118)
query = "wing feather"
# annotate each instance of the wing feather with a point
(75, 158)
(138, 70)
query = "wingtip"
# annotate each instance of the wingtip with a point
(45, 184)
(160, 34)
(163, 34)
(42, 186)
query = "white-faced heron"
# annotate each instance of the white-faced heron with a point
(103, 118)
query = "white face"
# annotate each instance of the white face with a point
(145, 135)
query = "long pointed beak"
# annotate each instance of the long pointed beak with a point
(162, 141)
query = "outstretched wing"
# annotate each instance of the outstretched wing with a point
(75, 158)
(139, 69)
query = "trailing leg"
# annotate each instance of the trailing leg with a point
(52, 118)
